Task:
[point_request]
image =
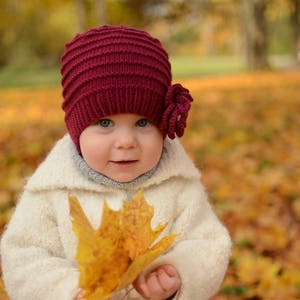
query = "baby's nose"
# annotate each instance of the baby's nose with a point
(126, 139)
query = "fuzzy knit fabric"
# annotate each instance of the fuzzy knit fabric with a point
(102, 179)
(38, 247)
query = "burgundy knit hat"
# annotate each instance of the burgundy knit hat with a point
(116, 69)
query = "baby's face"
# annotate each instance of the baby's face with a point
(121, 147)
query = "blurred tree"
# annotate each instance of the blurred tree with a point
(131, 12)
(295, 27)
(46, 25)
(197, 27)
(93, 13)
(37, 30)
(34, 30)
(81, 14)
(101, 11)
(256, 35)
(7, 33)
(220, 19)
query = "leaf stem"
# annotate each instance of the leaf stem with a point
(127, 293)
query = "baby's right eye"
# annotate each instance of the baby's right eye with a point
(104, 122)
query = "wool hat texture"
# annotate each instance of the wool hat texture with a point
(116, 69)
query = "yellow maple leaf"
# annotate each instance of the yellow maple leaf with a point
(111, 257)
(3, 295)
(138, 234)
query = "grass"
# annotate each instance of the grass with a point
(14, 76)
(191, 66)
(182, 66)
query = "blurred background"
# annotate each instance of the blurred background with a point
(202, 36)
(240, 61)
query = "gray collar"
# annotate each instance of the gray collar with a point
(102, 179)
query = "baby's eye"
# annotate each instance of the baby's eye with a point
(104, 122)
(143, 122)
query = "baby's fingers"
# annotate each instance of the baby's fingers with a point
(168, 283)
(156, 290)
(140, 285)
(78, 296)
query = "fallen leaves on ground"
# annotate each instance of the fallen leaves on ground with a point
(243, 133)
(244, 136)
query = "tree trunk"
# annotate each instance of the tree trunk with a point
(81, 14)
(254, 25)
(295, 28)
(100, 11)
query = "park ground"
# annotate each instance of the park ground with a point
(243, 134)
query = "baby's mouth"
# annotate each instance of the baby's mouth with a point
(124, 162)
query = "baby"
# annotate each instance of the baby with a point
(122, 114)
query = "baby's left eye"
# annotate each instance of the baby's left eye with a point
(143, 122)
(104, 122)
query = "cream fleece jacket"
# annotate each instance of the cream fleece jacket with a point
(39, 246)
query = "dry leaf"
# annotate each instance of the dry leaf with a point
(111, 257)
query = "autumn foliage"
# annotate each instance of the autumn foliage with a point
(112, 256)
(243, 134)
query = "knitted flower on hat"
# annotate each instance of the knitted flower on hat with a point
(177, 104)
(117, 69)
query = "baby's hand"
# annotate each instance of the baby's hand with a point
(78, 295)
(159, 284)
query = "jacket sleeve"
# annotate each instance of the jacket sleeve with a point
(202, 251)
(33, 261)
